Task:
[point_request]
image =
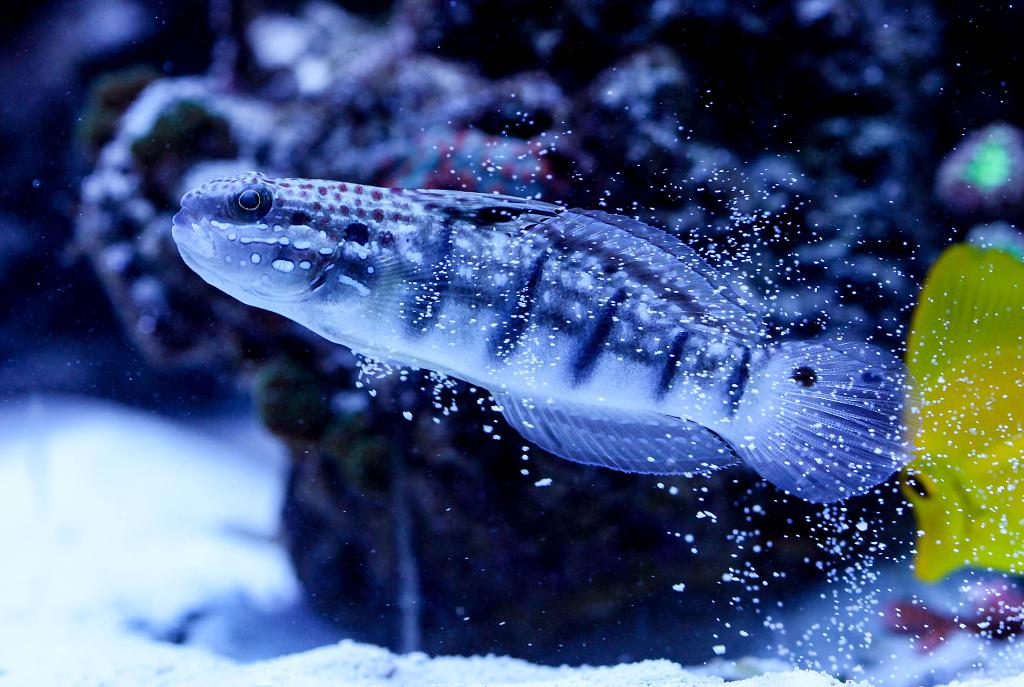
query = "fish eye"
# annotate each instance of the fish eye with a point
(918, 487)
(805, 376)
(252, 203)
(249, 199)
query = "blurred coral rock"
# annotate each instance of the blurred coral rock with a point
(471, 161)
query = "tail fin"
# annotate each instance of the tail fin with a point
(824, 422)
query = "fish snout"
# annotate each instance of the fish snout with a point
(189, 232)
(183, 218)
(191, 209)
(192, 199)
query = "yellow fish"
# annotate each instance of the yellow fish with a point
(966, 355)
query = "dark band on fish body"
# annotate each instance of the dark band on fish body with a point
(492, 215)
(510, 334)
(321, 278)
(738, 380)
(672, 364)
(643, 275)
(557, 228)
(428, 297)
(356, 232)
(594, 344)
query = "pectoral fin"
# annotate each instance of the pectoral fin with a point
(627, 440)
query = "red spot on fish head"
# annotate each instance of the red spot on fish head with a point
(378, 215)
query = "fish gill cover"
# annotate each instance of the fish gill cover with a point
(813, 153)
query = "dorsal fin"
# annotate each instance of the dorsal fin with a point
(972, 303)
(965, 354)
(664, 263)
(481, 209)
(658, 258)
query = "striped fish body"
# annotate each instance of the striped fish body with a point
(602, 339)
(537, 301)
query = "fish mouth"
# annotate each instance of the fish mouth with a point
(192, 235)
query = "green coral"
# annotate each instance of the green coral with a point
(989, 167)
(361, 454)
(186, 131)
(109, 96)
(294, 403)
(291, 401)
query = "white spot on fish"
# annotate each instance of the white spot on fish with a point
(305, 264)
(349, 281)
(255, 258)
(283, 265)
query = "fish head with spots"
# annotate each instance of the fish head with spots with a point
(257, 239)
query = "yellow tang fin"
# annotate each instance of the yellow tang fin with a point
(972, 301)
(966, 355)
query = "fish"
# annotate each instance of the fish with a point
(966, 355)
(601, 339)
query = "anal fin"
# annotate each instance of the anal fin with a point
(640, 441)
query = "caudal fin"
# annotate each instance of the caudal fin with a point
(824, 421)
